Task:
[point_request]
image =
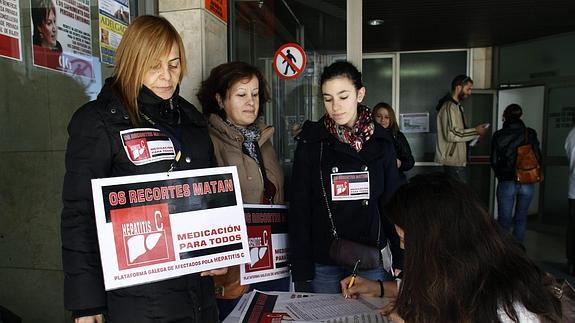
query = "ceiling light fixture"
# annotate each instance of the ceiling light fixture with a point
(375, 22)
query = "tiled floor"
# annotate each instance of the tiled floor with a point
(546, 246)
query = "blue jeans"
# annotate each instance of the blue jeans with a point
(511, 194)
(327, 277)
(456, 172)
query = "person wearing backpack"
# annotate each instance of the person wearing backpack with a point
(513, 189)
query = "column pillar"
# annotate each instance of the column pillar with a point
(355, 32)
(205, 40)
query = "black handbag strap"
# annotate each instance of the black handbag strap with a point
(333, 230)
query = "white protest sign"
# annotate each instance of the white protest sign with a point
(157, 226)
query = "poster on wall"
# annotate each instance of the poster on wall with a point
(218, 8)
(114, 18)
(158, 226)
(10, 33)
(268, 243)
(62, 36)
(414, 122)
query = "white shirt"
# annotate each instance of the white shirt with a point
(570, 152)
(523, 315)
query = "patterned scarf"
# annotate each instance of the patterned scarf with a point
(360, 133)
(251, 135)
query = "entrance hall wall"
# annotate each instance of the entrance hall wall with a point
(36, 105)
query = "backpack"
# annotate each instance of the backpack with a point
(527, 167)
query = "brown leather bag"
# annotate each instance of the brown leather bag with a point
(346, 252)
(527, 166)
(228, 286)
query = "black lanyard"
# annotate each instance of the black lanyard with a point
(174, 134)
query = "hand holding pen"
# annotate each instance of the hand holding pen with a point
(353, 274)
(348, 282)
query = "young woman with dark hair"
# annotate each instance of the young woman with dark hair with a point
(459, 265)
(384, 115)
(344, 140)
(512, 195)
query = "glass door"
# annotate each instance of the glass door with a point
(259, 28)
(480, 108)
(559, 121)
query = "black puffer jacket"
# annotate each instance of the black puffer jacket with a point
(309, 225)
(504, 148)
(403, 153)
(95, 150)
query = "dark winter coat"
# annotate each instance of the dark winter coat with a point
(403, 153)
(310, 230)
(95, 150)
(504, 148)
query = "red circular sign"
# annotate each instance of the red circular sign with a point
(289, 61)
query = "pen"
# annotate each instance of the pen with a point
(177, 159)
(353, 274)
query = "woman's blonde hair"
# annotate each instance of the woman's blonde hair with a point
(146, 40)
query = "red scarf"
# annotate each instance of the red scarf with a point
(360, 133)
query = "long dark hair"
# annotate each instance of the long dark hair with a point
(512, 112)
(459, 265)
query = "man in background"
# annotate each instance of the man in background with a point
(452, 132)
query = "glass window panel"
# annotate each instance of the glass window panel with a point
(547, 57)
(479, 109)
(559, 123)
(423, 79)
(559, 119)
(378, 80)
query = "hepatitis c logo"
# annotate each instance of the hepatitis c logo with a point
(138, 149)
(142, 235)
(260, 244)
(341, 188)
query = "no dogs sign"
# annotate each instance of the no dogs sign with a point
(289, 61)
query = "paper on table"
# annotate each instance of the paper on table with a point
(236, 313)
(324, 307)
(243, 306)
(360, 318)
(357, 311)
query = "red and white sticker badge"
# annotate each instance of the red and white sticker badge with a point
(350, 186)
(289, 61)
(147, 145)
